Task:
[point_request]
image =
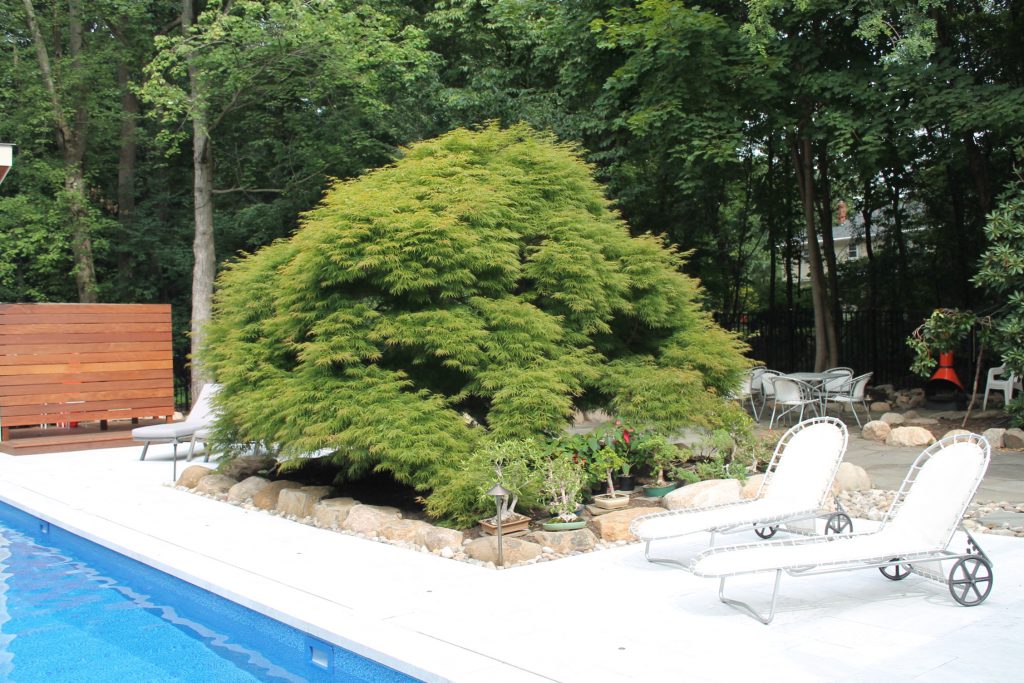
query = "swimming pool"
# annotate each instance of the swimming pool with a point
(71, 610)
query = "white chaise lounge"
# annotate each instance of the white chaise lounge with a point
(913, 538)
(200, 417)
(795, 488)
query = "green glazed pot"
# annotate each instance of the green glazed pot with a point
(564, 526)
(658, 491)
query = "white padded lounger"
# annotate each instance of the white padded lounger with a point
(913, 538)
(796, 485)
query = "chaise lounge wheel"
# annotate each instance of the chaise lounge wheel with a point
(970, 580)
(895, 572)
(765, 531)
(838, 523)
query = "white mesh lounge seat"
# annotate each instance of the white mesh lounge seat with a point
(798, 480)
(913, 538)
(200, 417)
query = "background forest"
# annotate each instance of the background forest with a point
(157, 140)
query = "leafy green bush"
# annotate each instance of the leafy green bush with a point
(479, 288)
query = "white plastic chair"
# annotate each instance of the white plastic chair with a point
(795, 487)
(762, 384)
(1006, 385)
(201, 416)
(914, 536)
(791, 394)
(854, 391)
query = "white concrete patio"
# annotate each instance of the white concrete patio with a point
(604, 616)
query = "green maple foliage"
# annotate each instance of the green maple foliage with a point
(480, 288)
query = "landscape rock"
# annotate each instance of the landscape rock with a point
(1013, 438)
(751, 487)
(911, 415)
(266, 498)
(565, 542)
(882, 392)
(921, 421)
(615, 525)
(485, 549)
(703, 493)
(902, 403)
(957, 432)
(407, 530)
(215, 485)
(246, 466)
(909, 436)
(331, 512)
(892, 419)
(995, 436)
(439, 538)
(881, 407)
(192, 474)
(247, 488)
(301, 502)
(364, 519)
(852, 477)
(876, 430)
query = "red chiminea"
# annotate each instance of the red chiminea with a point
(946, 371)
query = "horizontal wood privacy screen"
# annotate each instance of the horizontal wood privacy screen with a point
(66, 363)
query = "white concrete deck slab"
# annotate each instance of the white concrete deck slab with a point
(603, 616)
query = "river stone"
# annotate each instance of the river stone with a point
(331, 513)
(920, 421)
(751, 486)
(266, 498)
(1013, 438)
(301, 502)
(615, 525)
(565, 542)
(192, 474)
(957, 432)
(852, 477)
(485, 549)
(876, 430)
(246, 466)
(366, 519)
(994, 436)
(909, 436)
(215, 485)
(703, 493)
(911, 415)
(892, 419)
(439, 538)
(407, 530)
(881, 407)
(247, 488)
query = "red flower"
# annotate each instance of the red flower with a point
(625, 435)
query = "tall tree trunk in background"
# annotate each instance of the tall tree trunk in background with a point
(825, 351)
(962, 257)
(898, 238)
(204, 268)
(71, 142)
(828, 244)
(773, 249)
(126, 162)
(872, 275)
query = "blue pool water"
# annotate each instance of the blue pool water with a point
(71, 610)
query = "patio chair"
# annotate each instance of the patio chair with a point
(200, 417)
(914, 535)
(1007, 384)
(852, 392)
(746, 391)
(763, 386)
(791, 394)
(792, 494)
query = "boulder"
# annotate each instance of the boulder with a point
(892, 419)
(751, 486)
(703, 493)
(851, 477)
(246, 466)
(565, 542)
(957, 432)
(920, 421)
(192, 474)
(331, 513)
(266, 498)
(615, 525)
(882, 392)
(215, 485)
(407, 530)
(909, 436)
(910, 415)
(881, 407)
(247, 488)
(1013, 438)
(367, 519)
(876, 430)
(902, 403)
(515, 550)
(439, 538)
(300, 502)
(994, 436)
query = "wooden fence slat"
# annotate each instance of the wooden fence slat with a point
(9, 339)
(85, 367)
(86, 388)
(87, 347)
(109, 414)
(82, 309)
(81, 377)
(71, 331)
(76, 358)
(77, 319)
(64, 402)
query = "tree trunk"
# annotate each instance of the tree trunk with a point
(126, 165)
(204, 268)
(872, 276)
(827, 239)
(71, 142)
(897, 237)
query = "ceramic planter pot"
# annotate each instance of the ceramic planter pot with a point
(659, 491)
(611, 501)
(508, 526)
(625, 482)
(558, 525)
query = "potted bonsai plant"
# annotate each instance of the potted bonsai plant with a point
(663, 458)
(605, 462)
(562, 487)
(513, 470)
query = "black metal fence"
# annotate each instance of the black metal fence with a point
(868, 342)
